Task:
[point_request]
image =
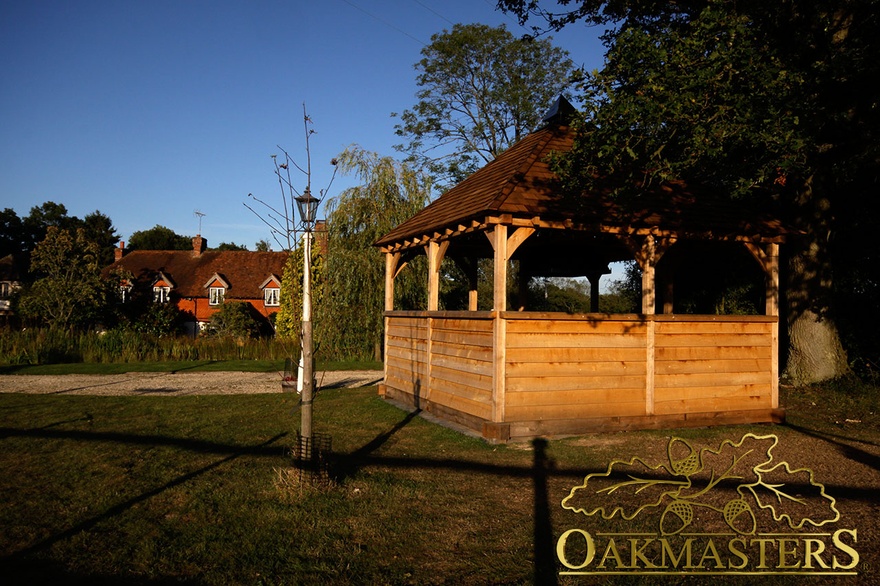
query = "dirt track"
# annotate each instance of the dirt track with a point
(175, 384)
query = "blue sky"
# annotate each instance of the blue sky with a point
(149, 111)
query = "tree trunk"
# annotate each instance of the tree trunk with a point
(815, 353)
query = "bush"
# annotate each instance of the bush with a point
(234, 319)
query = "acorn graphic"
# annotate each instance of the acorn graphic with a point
(687, 465)
(676, 516)
(739, 516)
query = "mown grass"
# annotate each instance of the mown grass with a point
(153, 490)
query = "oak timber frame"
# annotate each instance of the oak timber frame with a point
(520, 374)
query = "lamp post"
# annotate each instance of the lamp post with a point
(308, 209)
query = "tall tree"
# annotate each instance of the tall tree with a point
(481, 90)
(159, 238)
(69, 291)
(12, 233)
(766, 101)
(41, 218)
(389, 193)
(99, 229)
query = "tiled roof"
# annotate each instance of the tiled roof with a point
(245, 271)
(517, 182)
(520, 183)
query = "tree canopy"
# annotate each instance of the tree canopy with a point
(480, 90)
(69, 291)
(768, 101)
(21, 235)
(159, 238)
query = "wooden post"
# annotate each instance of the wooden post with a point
(435, 252)
(473, 276)
(392, 259)
(498, 238)
(593, 277)
(768, 258)
(648, 276)
(668, 292)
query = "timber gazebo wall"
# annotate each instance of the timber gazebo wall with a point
(515, 375)
(522, 374)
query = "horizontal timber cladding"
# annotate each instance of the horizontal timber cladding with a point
(461, 366)
(441, 362)
(716, 365)
(406, 357)
(560, 369)
(562, 374)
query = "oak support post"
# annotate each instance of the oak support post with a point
(768, 258)
(593, 278)
(473, 295)
(498, 237)
(435, 252)
(649, 284)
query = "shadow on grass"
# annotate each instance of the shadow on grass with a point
(233, 452)
(540, 472)
(843, 444)
(346, 465)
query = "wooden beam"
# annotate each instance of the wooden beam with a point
(517, 238)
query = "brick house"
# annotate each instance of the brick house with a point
(198, 281)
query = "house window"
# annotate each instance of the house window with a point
(125, 293)
(5, 290)
(271, 297)
(215, 295)
(161, 294)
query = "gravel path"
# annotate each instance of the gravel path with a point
(175, 384)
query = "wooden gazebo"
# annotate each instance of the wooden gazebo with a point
(510, 373)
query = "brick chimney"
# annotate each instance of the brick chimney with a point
(321, 237)
(119, 252)
(199, 245)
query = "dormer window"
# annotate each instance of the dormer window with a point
(271, 291)
(161, 294)
(216, 295)
(272, 296)
(216, 287)
(125, 292)
(162, 289)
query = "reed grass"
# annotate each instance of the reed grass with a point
(54, 346)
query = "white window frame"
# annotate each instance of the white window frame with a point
(125, 293)
(161, 294)
(272, 296)
(216, 295)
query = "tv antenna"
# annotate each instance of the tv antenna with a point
(200, 215)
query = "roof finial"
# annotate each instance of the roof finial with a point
(561, 112)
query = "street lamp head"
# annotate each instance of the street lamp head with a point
(308, 207)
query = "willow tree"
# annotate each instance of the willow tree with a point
(767, 102)
(351, 315)
(481, 89)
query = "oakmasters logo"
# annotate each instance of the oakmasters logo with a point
(734, 509)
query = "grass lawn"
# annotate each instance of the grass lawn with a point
(155, 490)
